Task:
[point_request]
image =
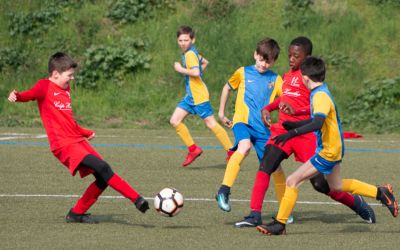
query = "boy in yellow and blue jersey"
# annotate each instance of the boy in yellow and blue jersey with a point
(326, 124)
(257, 86)
(196, 100)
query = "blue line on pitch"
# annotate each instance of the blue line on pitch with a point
(123, 145)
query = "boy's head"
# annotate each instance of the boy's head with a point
(299, 49)
(266, 54)
(313, 71)
(61, 68)
(186, 37)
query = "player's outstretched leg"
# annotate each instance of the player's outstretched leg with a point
(252, 220)
(273, 228)
(385, 195)
(141, 204)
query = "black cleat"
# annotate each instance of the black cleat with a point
(362, 208)
(79, 218)
(252, 220)
(141, 204)
(385, 195)
(273, 228)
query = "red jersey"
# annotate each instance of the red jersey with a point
(55, 109)
(296, 94)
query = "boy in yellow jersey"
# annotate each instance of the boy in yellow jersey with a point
(196, 100)
(329, 153)
(257, 86)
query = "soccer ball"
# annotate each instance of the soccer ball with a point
(168, 202)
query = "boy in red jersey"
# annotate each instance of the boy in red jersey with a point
(294, 105)
(68, 140)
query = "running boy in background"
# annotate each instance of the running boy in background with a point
(293, 105)
(257, 86)
(325, 122)
(68, 140)
(196, 100)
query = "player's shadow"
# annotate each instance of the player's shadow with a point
(116, 219)
(218, 166)
(182, 227)
(326, 217)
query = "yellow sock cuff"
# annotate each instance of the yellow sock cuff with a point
(280, 184)
(184, 134)
(222, 136)
(358, 187)
(232, 169)
(287, 204)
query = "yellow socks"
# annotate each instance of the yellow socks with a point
(287, 204)
(184, 134)
(232, 169)
(357, 187)
(280, 184)
(222, 136)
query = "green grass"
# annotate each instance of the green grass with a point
(38, 222)
(367, 34)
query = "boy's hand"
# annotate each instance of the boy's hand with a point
(178, 67)
(12, 97)
(90, 137)
(225, 121)
(286, 108)
(266, 117)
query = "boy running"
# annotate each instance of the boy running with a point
(257, 86)
(68, 140)
(196, 100)
(329, 153)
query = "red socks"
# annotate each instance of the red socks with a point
(260, 187)
(123, 187)
(88, 199)
(192, 148)
(342, 197)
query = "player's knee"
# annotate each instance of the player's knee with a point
(210, 122)
(174, 122)
(100, 183)
(335, 187)
(291, 182)
(105, 171)
(244, 147)
(320, 184)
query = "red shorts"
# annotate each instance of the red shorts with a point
(302, 146)
(72, 155)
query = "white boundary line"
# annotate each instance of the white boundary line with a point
(150, 198)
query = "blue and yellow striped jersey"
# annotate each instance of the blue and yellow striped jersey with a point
(196, 89)
(255, 90)
(330, 144)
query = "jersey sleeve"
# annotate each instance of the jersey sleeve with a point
(277, 89)
(191, 60)
(37, 92)
(237, 77)
(321, 104)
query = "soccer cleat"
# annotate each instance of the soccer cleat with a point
(385, 195)
(141, 204)
(79, 218)
(252, 220)
(229, 153)
(223, 201)
(191, 156)
(290, 220)
(362, 208)
(273, 228)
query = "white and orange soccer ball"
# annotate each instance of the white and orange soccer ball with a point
(168, 202)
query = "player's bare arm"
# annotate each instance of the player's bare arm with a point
(222, 104)
(195, 72)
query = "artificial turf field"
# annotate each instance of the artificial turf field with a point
(36, 192)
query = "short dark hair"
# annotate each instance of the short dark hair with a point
(303, 42)
(268, 48)
(61, 62)
(314, 68)
(185, 30)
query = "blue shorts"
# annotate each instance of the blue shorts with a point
(243, 131)
(203, 110)
(322, 165)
